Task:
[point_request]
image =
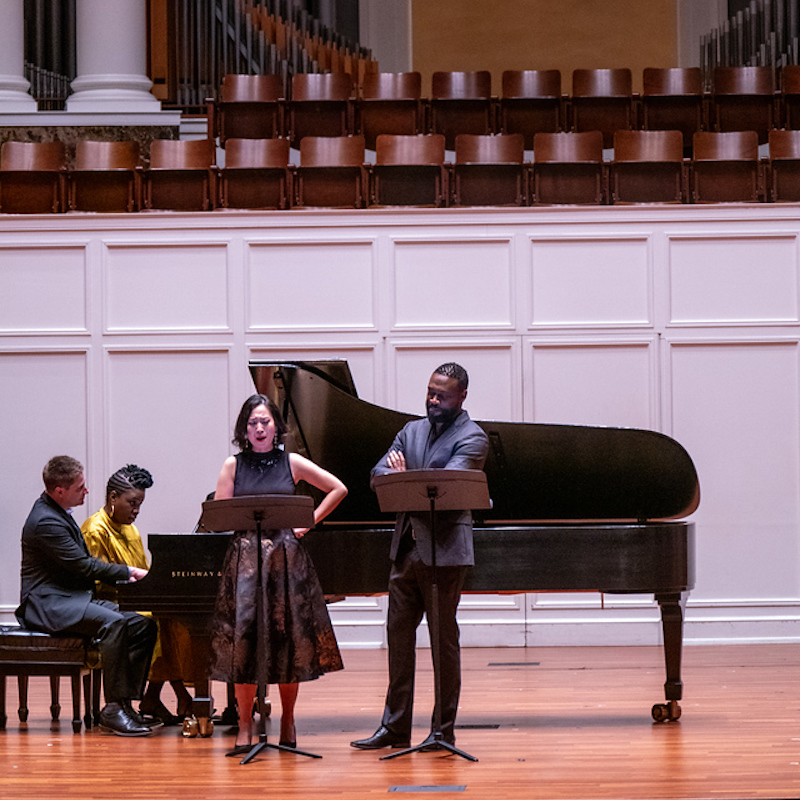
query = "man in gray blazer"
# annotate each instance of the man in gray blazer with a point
(446, 439)
(58, 579)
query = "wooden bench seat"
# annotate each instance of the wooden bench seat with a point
(24, 653)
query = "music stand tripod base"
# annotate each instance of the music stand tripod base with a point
(436, 744)
(257, 748)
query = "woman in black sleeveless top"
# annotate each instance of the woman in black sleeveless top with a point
(298, 638)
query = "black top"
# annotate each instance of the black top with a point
(263, 473)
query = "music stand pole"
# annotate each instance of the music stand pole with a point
(283, 515)
(439, 484)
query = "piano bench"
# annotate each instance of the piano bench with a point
(24, 653)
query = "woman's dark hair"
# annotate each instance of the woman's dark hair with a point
(240, 429)
(129, 477)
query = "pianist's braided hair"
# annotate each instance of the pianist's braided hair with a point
(240, 429)
(453, 370)
(129, 477)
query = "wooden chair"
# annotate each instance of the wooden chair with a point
(602, 100)
(743, 99)
(320, 106)
(181, 176)
(461, 102)
(784, 166)
(32, 177)
(249, 107)
(647, 167)
(725, 167)
(106, 177)
(568, 168)
(490, 170)
(390, 102)
(672, 100)
(25, 653)
(409, 171)
(530, 103)
(790, 96)
(331, 172)
(256, 174)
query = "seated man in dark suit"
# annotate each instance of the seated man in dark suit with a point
(58, 578)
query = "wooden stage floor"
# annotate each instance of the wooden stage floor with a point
(545, 723)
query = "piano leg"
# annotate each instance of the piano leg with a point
(200, 722)
(672, 608)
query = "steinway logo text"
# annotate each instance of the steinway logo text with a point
(213, 573)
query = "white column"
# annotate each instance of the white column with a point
(385, 27)
(696, 18)
(112, 58)
(15, 95)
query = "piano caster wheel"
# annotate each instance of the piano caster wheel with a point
(667, 712)
(205, 727)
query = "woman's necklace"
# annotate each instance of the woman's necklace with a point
(262, 461)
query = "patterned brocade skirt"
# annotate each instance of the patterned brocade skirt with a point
(295, 641)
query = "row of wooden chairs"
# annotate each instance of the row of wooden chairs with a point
(105, 176)
(531, 101)
(568, 168)
(324, 49)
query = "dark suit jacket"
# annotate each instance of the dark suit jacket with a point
(58, 574)
(462, 445)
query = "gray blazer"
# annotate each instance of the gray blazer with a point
(462, 445)
(58, 574)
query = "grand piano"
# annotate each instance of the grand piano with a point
(574, 508)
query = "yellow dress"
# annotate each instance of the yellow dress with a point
(117, 544)
(122, 544)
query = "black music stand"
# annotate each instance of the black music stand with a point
(268, 512)
(432, 490)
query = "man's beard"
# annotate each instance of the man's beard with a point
(441, 416)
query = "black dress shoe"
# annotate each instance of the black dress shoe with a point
(159, 713)
(382, 737)
(239, 750)
(290, 742)
(142, 719)
(114, 719)
(431, 743)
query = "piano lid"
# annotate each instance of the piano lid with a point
(536, 472)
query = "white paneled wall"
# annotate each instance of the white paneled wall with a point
(126, 338)
(581, 281)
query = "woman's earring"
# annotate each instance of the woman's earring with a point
(112, 511)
